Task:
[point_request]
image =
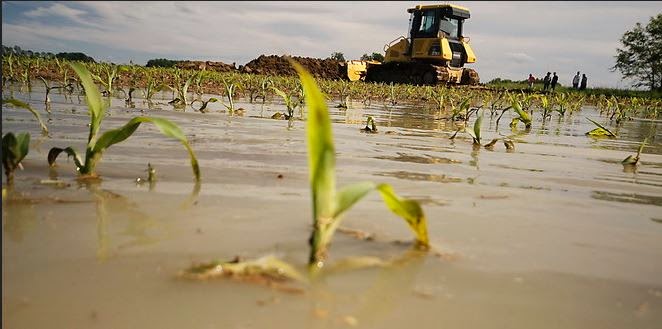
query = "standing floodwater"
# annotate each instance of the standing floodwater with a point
(555, 233)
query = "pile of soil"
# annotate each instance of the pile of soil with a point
(208, 65)
(278, 65)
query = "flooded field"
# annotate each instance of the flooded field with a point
(553, 234)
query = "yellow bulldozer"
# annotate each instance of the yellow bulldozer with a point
(434, 53)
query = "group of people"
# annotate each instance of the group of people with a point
(576, 84)
(551, 81)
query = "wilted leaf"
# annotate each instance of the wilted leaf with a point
(166, 127)
(54, 152)
(26, 106)
(600, 131)
(409, 210)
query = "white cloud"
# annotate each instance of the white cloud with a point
(520, 57)
(56, 9)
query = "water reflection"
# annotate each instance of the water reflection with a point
(420, 176)
(628, 198)
(427, 159)
(394, 282)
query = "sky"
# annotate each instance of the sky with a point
(510, 39)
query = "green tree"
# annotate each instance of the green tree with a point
(374, 57)
(75, 57)
(641, 56)
(161, 62)
(338, 56)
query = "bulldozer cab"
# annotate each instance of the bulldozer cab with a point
(436, 21)
(435, 33)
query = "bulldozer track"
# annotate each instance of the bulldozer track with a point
(418, 74)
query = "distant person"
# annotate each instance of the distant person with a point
(531, 80)
(546, 81)
(575, 81)
(583, 84)
(555, 80)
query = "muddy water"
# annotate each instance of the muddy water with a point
(555, 234)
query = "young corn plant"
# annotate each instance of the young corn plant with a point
(14, 150)
(634, 160)
(476, 131)
(48, 87)
(328, 204)
(203, 107)
(181, 91)
(229, 92)
(151, 88)
(522, 115)
(290, 103)
(370, 126)
(110, 74)
(97, 144)
(546, 107)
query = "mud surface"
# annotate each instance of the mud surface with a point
(278, 65)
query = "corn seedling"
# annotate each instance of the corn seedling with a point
(600, 130)
(181, 90)
(522, 115)
(561, 100)
(96, 145)
(229, 92)
(329, 205)
(23, 105)
(634, 160)
(129, 100)
(546, 107)
(475, 133)
(110, 74)
(203, 107)
(14, 150)
(151, 88)
(290, 104)
(370, 126)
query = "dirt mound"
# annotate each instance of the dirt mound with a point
(278, 65)
(208, 65)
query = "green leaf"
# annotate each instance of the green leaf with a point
(14, 149)
(477, 125)
(282, 94)
(54, 152)
(165, 126)
(26, 106)
(351, 194)
(409, 210)
(321, 151)
(524, 116)
(93, 98)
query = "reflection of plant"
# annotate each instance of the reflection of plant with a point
(96, 145)
(328, 204)
(14, 150)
